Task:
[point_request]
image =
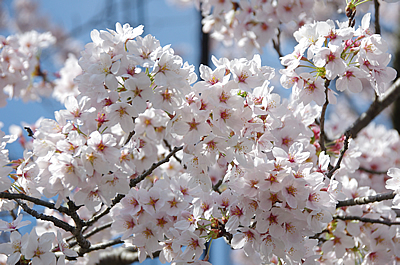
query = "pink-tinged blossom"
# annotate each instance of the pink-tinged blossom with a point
(350, 80)
(104, 145)
(144, 50)
(138, 91)
(147, 237)
(13, 249)
(131, 202)
(90, 197)
(153, 200)
(237, 216)
(331, 60)
(191, 126)
(394, 184)
(270, 221)
(124, 223)
(313, 90)
(294, 156)
(65, 85)
(122, 114)
(338, 243)
(248, 239)
(13, 225)
(64, 247)
(294, 191)
(292, 61)
(211, 78)
(39, 249)
(194, 245)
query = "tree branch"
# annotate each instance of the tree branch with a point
(170, 149)
(366, 199)
(342, 152)
(154, 166)
(118, 256)
(376, 107)
(93, 232)
(82, 241)
(99, 246)
(322, 119)
(377, 25)
(14, 196)
(121, 256)
(57, 222)
(372, 171)
(365, 220)
(277, 44)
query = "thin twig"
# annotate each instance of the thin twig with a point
(170, 149)
(372, 171)
(365, 220)
(93, 232)
(154, 166)
(322, 119)
(95, 218)
(342, 152)
(366, 199)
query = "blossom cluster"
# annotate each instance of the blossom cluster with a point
(252, 24)
(19, 66)
(251, 170)
(39, 249)
(344, 54)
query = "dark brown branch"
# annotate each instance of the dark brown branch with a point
(120, 256)
(216, 186)
(93, 232)
(366, 220)
(377, 23)
(277, 44)
(170, 149)
(98, 229)
(322, 119)
(99, 246)
(95, 218)
(82, 241)
(366, 199)
(13, 196)
(57, 222)
(342, 152)
(376, 107)
(154, 166)
(372, 171)
(131, 134)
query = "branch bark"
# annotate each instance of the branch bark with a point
(366, 199)
(13, 196)
(366, 220)
(376, 107)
